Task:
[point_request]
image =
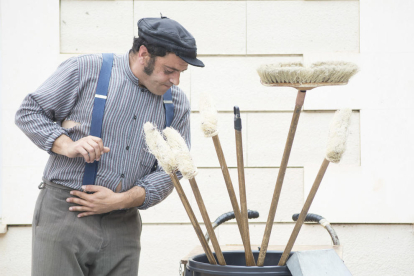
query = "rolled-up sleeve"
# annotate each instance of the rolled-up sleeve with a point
(158, 185)
(50, 103)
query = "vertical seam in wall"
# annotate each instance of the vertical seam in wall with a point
(360, 140)
(246, 25)
(191, 90)
(303, 186)
(60, 27)
(247, 139)
(1, 96)
(359, 26)
(133, 19)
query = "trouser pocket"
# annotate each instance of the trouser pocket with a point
(38, 207)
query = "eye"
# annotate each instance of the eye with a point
(168, 72)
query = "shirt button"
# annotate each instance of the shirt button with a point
(135, 117)
(127, 148)
(122, 175)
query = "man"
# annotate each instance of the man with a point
(95, 229)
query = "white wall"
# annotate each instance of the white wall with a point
(373, 183)
(368, 249)
(0, 113)
(30, 49)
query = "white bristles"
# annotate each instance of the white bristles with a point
(338, 133)
(296, 73)
(159, 148)
(333, 71)
(208, 116)
(182, 154)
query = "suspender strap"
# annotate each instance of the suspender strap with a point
(169, 107)
(169, 116)
(98, 112)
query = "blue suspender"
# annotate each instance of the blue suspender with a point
(91, 169)
(97, 114)
(169, 108)
(169, 116)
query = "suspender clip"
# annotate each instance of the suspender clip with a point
(42, 185)
(100, 96)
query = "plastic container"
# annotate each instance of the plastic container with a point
(236, 265)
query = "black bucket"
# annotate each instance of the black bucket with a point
(236, 265)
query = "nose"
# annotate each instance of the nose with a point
(175, 78)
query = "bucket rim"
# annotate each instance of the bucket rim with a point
(194, 265)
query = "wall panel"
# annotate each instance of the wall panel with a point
(234, 81)
(296, 27)
(219, 27)
(260, 184)
(267, 136)
(96, 26)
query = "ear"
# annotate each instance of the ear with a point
(143, 53)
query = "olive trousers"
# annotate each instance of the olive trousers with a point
(63, 244)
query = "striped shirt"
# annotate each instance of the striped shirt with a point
(69, 95)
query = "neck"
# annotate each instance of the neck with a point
(137, 68)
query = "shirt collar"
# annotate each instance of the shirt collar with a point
(127, 69)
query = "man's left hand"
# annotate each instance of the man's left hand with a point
(103, 200)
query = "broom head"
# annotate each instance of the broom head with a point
(338, 133)
(307, 77)
(159, 148)
(208, 116)
(182, 154)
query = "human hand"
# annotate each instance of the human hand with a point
(103, 200)
(91, 148)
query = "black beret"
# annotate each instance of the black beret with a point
(170, 34)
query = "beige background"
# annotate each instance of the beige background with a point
(368, 196)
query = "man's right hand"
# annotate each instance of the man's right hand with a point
(91, 148)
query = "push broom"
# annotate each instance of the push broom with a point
(166, 159)
(338, 133)
(209, 127)
(303, 79)
(189, 171)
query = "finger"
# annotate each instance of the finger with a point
(82, 195)
(83, 153)
(79, 201)
(96, 149)
(85, 214)
(99, 142)
(80, 209)
(106, 149)
(92, 188)
(90, 150)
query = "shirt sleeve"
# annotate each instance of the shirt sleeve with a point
(42, 111)
(158, 185)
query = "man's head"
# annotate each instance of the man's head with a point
(162, 51)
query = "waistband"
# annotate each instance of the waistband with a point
(46, 182)
(52, 184)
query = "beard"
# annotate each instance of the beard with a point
(149, 68)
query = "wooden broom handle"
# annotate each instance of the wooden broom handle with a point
(207, 221)
(233, 199)
(304, 212)
(300, 99)
(193, 219)
(242, 188)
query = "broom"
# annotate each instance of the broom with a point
(209, 127)
(240, 170)
(301, 78)
(189, 171)
(166, 159)
(338, 133)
